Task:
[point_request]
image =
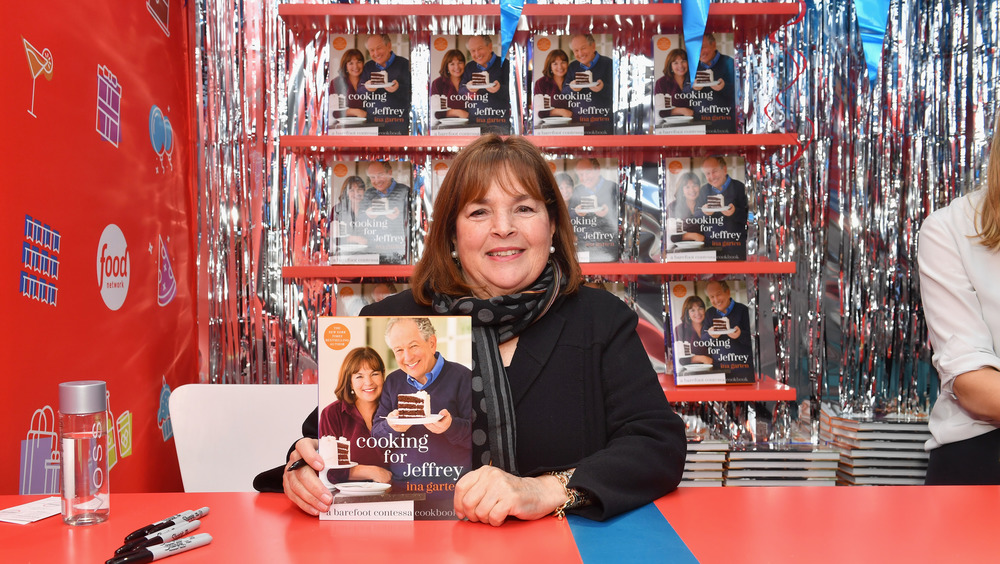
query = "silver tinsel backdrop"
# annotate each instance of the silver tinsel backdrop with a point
(846, 207)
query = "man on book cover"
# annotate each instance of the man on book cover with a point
(448, 442)
(387, 103)
(725, 226)
(386, 206)
(593, 210)
(718, 109)
(488, 98)
(594, 103)
(730, 349)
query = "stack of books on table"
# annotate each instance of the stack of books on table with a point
(704, 464)
(788, 465)
(876, 451)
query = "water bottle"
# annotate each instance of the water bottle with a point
(83, 452)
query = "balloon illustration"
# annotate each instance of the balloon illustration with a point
(161, 135)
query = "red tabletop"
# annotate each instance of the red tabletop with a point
(882, 524)
(725, 525)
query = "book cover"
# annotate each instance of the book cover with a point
(779, 473)
(469, 86)
(370, 84)
(830, 463)
(411, 376)
(711, 329)
(572, 84)
(707, 209)
(369, 222)
(694, 101)
(589, 187)
(779, 482)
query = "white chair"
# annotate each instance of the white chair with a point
(227, 433)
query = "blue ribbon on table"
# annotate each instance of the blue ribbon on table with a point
(694, 14)
(873, 17)
(510, 14)
(641, 535)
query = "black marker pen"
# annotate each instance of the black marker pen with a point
(183, 516)
(150, 553)
(160, 537)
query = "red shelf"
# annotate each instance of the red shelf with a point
(647, 145)
(767, 389)
(351, 271)
(753, 19)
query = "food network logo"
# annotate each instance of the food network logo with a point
(113, 267)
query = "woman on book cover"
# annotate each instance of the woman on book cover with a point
(675, 82)
(348, 83)
(569, 414)
(687, 209)
(959, 268)
(349, 213)
(552, 82)
(693, 329)
(449, 84)
(358, 392)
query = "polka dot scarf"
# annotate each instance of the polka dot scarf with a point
(494, 321)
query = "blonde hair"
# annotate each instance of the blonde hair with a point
(988, 220)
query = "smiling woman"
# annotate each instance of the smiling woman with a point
(569, 416)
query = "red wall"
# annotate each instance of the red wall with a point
(125, 195)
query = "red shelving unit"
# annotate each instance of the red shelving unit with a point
(642, 146)
(336, 272)
(751, 20)
(766, 389)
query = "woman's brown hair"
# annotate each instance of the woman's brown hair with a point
(475, 169)
(988, 227)
(361, 356)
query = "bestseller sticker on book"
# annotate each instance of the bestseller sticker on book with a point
(410, 379)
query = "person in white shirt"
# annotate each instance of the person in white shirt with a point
(959, 264)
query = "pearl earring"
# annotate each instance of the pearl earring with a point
(454, 254)
(552, 249)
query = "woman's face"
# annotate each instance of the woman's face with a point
(355, 192)
(679, 66)
(503, 239)
(367, 384)
(691, 190)
(354, 67)
(456, 67)
(696, 312)
(559, 67)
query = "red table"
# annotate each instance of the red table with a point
(725, 525)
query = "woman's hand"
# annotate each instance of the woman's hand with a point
(490, 495)
(303, 486)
